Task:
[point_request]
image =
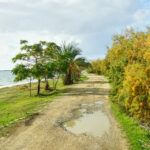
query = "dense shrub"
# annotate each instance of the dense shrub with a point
(127, 65)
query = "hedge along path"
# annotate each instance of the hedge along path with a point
(44, 132)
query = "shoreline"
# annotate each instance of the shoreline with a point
(16, 84)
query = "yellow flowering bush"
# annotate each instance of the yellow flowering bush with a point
(127, 64)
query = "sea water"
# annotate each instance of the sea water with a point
(7, 79)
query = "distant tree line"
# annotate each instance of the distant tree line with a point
(47, 60)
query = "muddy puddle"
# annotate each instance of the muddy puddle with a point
(91, 120)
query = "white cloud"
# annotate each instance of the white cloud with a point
(90, 23)
(142, 15)
(7, 1)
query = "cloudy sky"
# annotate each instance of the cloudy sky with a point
(91, 23)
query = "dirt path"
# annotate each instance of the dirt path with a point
(45, 133)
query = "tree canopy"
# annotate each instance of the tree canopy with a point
(46, 60)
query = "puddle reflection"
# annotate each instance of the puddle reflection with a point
(93, 124)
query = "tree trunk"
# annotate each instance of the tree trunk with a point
(30, 86)
(38, 90)
(55, 85)
(46, 84)
(68, 78)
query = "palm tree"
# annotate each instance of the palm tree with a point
(70, 52)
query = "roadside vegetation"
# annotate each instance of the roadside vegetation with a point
(127, 65)
(137, 135)
(53, 67)
(46, 60)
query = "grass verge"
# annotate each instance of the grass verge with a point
(138, 137)
(16, 104)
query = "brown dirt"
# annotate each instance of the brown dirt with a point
(45, 133)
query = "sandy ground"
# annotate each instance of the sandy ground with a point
(45, 133)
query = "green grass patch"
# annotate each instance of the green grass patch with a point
(83, 78)
(138, 137)
(16, 104)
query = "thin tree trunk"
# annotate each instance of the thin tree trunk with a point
(30, 86)
(53, 82)
(38, 90)
(46, 84)
(56, 82)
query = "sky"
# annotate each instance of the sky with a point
(90, 23)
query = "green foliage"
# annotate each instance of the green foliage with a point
(37, 70)
(39, 61)
(82, 62)
(71, 65)
(47, 60)
(127, 65)
(95, 67)
(22, 72)
(19, 57)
